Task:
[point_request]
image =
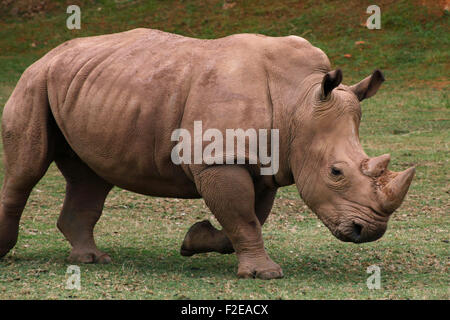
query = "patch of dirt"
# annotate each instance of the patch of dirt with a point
(31, 8)
(24, 8)
(436, 7)
(439, 83)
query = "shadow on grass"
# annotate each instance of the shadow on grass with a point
(158, 261)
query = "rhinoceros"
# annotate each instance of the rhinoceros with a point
(104, 109)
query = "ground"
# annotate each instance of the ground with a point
(408, 118)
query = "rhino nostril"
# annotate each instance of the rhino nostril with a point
(357, 230)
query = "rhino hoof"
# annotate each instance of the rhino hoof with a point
(270, 274)
(261, 268)
(262, 274)
(190, 242)
(89, 257)
(186, 253)
(4, 252)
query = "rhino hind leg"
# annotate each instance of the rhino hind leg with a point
(15, 192)
(85, 196)
(28, 141)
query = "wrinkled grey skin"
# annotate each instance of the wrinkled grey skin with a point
(104, 108)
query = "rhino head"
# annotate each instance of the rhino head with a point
(352, 194)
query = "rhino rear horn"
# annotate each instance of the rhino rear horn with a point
(330, 81)
(369, 86)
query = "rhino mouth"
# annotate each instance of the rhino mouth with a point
(361, 229)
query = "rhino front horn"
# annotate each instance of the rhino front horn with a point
(393, 193)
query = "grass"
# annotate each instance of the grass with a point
(408, 118)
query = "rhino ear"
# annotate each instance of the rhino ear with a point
(369, 86)
(330, 81)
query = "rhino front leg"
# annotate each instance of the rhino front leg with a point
(203, 237)
(229, 192)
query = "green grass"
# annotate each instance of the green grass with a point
(408, 118)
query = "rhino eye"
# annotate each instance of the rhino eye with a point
(336, 172)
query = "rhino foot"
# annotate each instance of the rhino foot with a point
(8, 235)
(94, 256)
(261, 267)
(203, 237)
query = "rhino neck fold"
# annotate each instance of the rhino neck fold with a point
(283, 112)
(291, 115)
